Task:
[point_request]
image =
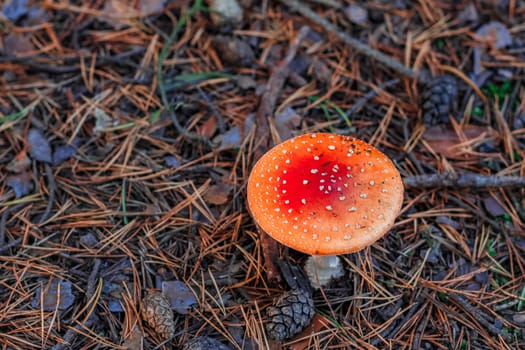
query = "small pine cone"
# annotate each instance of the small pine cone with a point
(157, 313)
(290, 313)
(205, 343)
(438, 99)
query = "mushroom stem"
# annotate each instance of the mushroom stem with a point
(322, 268)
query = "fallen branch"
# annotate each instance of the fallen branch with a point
(355, 44)
(463, 180)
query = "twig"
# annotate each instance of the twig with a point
(262, 135)
(356, 44)
(51, 199)
(478, 315)
(463, 180)
(3, 222)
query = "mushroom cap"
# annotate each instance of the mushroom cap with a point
(325, 194)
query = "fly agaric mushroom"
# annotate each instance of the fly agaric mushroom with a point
(324, 195)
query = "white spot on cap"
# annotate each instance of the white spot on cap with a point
(335, 228)
(342, 198)
(329, 207)
(287, 202)
(305, 182)
(363, 195)
(346, 237)
(257, 185)
(315, 236)
(303, 201)
(352, 209)
(331, 147)
(372, 182)
(314, 171)
(316, 157)
(327, 238)
(321, 188)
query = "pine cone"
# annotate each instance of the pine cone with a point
(157, 312)
(205, 343)
(290, 313)
(438, 99)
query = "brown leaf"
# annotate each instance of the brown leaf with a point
(445, 141)
(15, 44)
(218, 194)
(208, 128)
(318, 323)
(21, 183)
(20, 163)
(56, 294)
(119, 13)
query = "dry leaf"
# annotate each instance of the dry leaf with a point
(493, 207)
(208, 128)
(356, 14)
(40, 148)
(54, 295)
(120, 13)
(15, 44)
(19, 164)
(179, 296)
(496, 33)
(318, 323)
(218, 194)
(21, 183)
(445, 141)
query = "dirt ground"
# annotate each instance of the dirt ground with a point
(128, 130)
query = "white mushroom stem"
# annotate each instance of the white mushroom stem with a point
(322, 268)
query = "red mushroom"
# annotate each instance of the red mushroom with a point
(323, 195)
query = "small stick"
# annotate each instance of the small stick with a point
(463, 180)
(478, 315)
(51, 199)
(3, 223)
(356, 44)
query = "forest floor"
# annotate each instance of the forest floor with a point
(128, 130)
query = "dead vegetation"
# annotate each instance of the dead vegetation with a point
(128, 130)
